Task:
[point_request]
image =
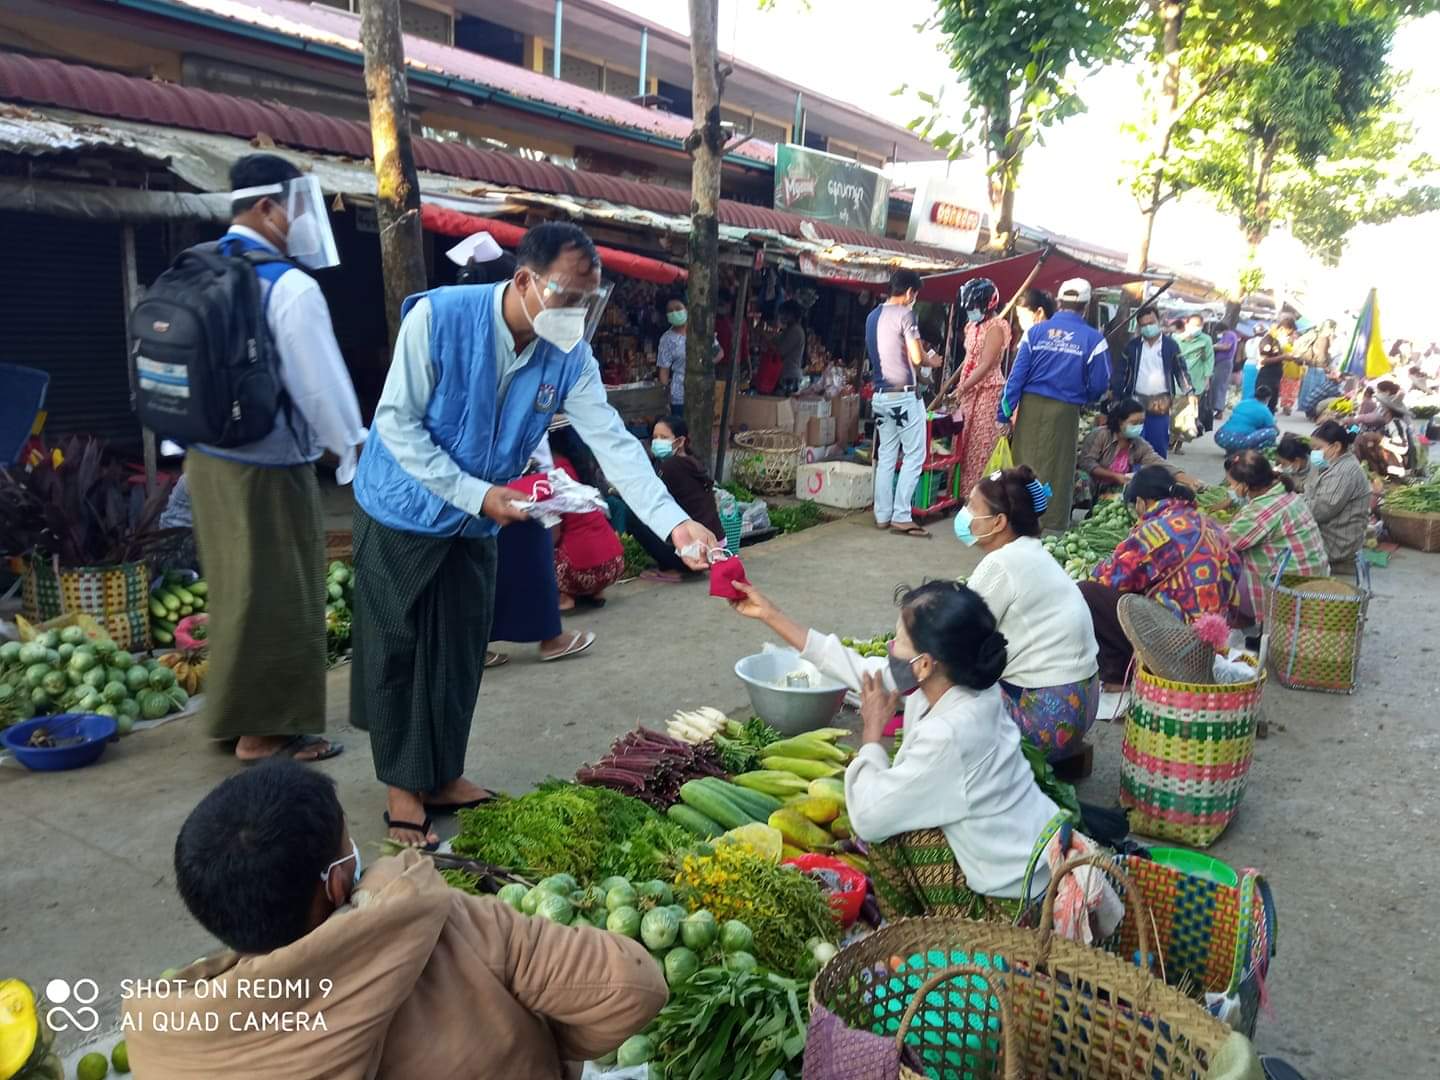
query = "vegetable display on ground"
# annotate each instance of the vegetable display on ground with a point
(340, 598)
(173, 597)
(1080, 548)
(651, 766)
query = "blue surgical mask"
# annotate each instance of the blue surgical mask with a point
(975, 316)
(677, 318)
(902, 672)
(964, 526)
(1150, 331)
(354, 854)
(1238, 498)
(1317, 460)
(1133, 431)
(662, 448)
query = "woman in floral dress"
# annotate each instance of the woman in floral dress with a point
(987, 339)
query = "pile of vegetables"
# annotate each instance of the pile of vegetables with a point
(1216, 503)
(172, 598)
(637, 559)
(651, 766)
(698, 726)
(878, 646)
(797, 517)
(63, 671)
(1415, 498)
(1080, 548)
(339, 603)
(588, 832)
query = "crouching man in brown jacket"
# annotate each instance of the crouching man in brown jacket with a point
(391, 974)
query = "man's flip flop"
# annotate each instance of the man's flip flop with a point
(495, 659)
(579, 642)
(452, 807)
(409, 826)
(919, 532)
(299, 744)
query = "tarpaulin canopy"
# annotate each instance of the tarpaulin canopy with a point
(446, 222)
(1009, 274)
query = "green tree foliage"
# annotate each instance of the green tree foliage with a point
(1017, 64)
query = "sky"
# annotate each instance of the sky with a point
(861, 52)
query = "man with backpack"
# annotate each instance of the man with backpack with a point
(235, 356)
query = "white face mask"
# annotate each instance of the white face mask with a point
(562, 327)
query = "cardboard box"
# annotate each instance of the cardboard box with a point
(820, 431)
(754, 413)
(839, 484)
(815, 454)
(847, 419)
(807, 409)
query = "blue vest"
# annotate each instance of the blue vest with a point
(488, 438)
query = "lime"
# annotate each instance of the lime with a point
(92, 1067)
(120, 1057)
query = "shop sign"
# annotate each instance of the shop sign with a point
(814, 266)
(829, 188)
(944, 214)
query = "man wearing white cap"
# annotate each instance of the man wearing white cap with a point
(1062, 363)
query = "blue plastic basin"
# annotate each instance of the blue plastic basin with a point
(94, 729)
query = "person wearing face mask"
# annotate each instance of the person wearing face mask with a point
(256, 508)
(1197, 351)
(1035, 306)
(390, 971)
(1251, 425)
(1228, 358)
(1175, 555)
(670, 354)
(1118, 450)
(1292, 456)
(959, 795)
(479, 372)
(1050, 683)
(1151, 371)
(1338, 494)
(1272, 523)
(1275, 358)
(987, 343)
(689, 484)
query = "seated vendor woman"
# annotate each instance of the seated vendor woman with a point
(389, 973)
(1050, 683)
(689, 484)
(1272, 524)
(1115, 452)
(952, 824)
(1292, 457)
(1251, 425)
(1175, 554)
(1339, 496)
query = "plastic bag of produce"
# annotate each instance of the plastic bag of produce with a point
(754, 517)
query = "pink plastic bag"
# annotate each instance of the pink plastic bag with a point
(723, 576)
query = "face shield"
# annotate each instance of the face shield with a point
(309, 240)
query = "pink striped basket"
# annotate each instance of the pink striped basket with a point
(1186, 756)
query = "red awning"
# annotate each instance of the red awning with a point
(1009, 274)
(448, 222)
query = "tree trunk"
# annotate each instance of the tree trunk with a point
(402, 247)
(1004, 165)
(1172, 16)
(706, 144)
(1256, 225)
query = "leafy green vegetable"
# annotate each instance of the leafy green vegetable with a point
(1060, 793)
(637, 560)
(796, 518)
(741, 493)
(735, 756)
(731, 1025)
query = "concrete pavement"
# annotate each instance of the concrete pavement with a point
(1341, 811)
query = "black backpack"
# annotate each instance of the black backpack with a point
(204, 367)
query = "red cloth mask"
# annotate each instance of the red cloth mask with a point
(723, 575)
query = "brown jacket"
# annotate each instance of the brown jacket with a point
(413, 979)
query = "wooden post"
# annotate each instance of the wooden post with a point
(130, 284)
(742, 301)
(706, 145)
(397, 210)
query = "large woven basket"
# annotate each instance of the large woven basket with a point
(1068, 1009)
(117, 596)
(768, 460)
(1414, 530)
(1316, 626)
(1210, 936)
(1186, 756)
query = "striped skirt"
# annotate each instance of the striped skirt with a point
(915, 873)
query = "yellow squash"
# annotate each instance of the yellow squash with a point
(800, 831)
(19, 1027)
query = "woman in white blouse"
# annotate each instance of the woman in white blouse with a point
(953, 823)
(1051, 682)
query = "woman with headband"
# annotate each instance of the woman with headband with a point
(1051, 683)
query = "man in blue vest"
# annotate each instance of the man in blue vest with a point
(479, 371)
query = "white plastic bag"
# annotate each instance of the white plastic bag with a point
(614, 1072)
(754, 517)
(557, 494)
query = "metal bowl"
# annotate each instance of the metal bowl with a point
(791, 710)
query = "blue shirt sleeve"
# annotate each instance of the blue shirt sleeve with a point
(1015, 385)
(1097, 370)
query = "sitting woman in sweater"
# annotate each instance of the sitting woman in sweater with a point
(689, 484)
(1339, 498)
(954, 821)
(1251, 425)
(1050, 683)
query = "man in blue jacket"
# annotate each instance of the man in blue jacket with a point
(1152, 371)
(479, 371)
(1062, 363)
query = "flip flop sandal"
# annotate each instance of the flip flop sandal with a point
(579, 642)
(299, 744)
(409, 826)
(451, 807)
(918, 532)
(495, 659)
(590, 601)
(654, 575)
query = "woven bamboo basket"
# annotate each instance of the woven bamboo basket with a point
(1316, 626)
(768, 460)
(1418, 531)
(1185, 758)
(117, 596)
(1023, 1002)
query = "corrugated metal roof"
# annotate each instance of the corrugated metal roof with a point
(107, 93)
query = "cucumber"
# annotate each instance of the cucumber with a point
(695, 821)
(198, 588)
(714, 805)
(184, 595)
(158, 609)
(163, 637)
(755, 803)
(168, 598)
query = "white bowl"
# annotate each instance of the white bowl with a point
(791, 710)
